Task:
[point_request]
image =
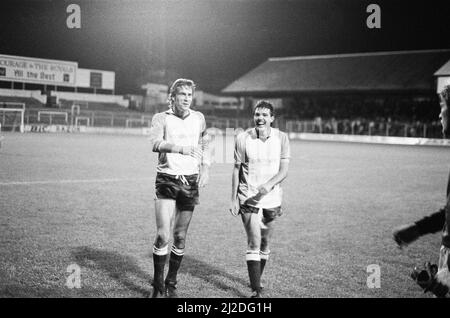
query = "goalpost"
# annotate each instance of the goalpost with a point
(12, 105)
(12, 119)
(140, 121)
(81, 104)
(81, 118)
(52, 114)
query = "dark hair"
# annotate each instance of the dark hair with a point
(445, 94)
(178, 83)
(264, 104)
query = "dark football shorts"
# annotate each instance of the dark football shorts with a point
(183, 189)
(268, 214)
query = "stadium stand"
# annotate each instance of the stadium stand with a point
(399, 84)
(31, 99)
(90, 110)
(99, 99)
(67, 104)
(29, 102)
(394, 100)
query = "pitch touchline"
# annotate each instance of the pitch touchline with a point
(72, 181)
(12, 183)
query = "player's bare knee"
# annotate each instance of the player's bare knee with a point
(253, 245)
(179, 239)
(264, 243)
(162, 239)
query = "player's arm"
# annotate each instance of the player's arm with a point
(282, 171)
(234, 208)
(206, 156)
(278, 178)
(160, 145)
(405, 234)
(239, 157)
(432, 223)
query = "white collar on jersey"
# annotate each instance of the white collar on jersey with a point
(267, 137)
(171, 112)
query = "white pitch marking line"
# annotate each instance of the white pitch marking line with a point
(72, 181)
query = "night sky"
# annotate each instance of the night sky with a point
(213, 42)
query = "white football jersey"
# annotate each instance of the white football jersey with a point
(190, 131)
(260, 161)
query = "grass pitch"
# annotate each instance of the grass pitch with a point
(88, 200)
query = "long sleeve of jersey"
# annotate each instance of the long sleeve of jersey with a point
(438, 221)
(205, 145)
(157, 131)
(432, 223)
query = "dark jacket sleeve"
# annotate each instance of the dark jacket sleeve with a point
(439, 221)
(432, 223)
(446, 231)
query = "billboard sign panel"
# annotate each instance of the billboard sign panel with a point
(95, 79)
(40, 71)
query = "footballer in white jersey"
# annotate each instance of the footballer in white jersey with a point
(179, 136)
(261, 158)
